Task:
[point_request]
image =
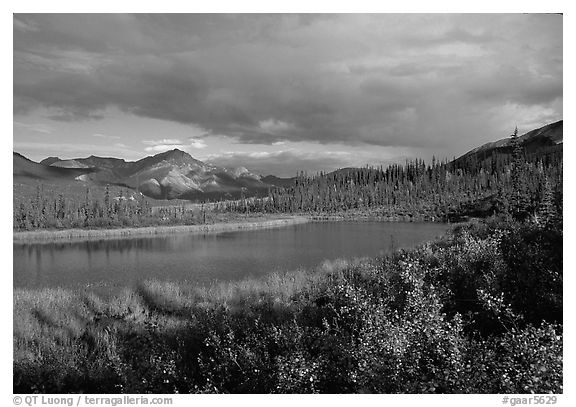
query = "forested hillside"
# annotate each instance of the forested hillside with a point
(510, 177)
(509, 180)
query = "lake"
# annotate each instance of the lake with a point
(203, 258)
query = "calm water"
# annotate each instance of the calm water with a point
(204, 258)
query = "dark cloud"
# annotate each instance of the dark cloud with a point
(388, 80)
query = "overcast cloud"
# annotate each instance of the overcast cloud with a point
(438, 82)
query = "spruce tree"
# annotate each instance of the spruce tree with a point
(547, 208)
(519, 194)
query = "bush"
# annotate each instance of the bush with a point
(477, 312)
(524, 361)
(532, 278)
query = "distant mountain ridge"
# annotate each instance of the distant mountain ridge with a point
(25, 169)
(50, 160)
(278, 182)
(545, 139)
(168, 175)
(176, 174)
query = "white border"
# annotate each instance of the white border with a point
(230, 6)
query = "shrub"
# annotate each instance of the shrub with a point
(532, 278)
(476, 312)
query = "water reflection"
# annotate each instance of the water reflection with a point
(203, 258)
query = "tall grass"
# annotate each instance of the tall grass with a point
(267, 221)
(440, 318)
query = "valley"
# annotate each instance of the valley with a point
(173, 188)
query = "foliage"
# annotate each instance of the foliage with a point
(50, 210)
(466, 314)
(510, 183)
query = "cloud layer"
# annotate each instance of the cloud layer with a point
(286, 163)
(159, 146)
(423, 81)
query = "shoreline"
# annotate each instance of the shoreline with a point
(189, 324)
(47, 236)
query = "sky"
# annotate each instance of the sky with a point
(281, 93)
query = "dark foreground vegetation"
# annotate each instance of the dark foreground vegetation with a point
(479, 311)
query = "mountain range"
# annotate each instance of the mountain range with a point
(168, 175)
(176, 174)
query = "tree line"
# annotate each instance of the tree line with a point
(44, 211)
(513, 183)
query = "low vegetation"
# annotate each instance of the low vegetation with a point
(232, 223)
(479, 311)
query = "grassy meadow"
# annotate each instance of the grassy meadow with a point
(478, 311)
